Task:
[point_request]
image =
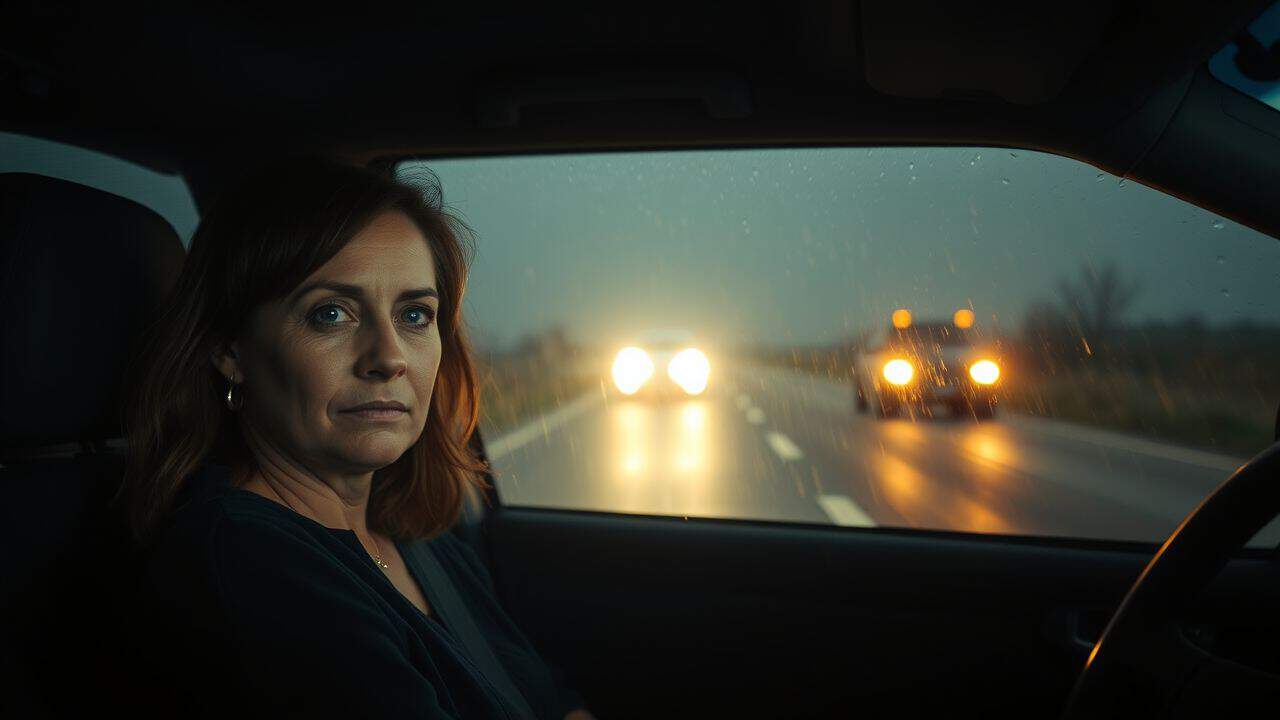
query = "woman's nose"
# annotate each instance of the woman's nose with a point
(384, 356)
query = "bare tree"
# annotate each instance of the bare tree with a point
(1045, 322)
(1097, 301)
(1048, 335)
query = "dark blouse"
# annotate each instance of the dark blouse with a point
(259, 609)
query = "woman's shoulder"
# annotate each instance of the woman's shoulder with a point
(212, 519)
(206, 502)
(225, 559)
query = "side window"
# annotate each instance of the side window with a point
(166, 194)
(1081, 356)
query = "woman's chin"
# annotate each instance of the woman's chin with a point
(375, 455)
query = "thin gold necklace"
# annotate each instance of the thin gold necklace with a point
(377, 556)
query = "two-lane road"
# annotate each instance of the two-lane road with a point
(769, 444)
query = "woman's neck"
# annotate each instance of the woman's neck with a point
(313, 498)
(335, 501)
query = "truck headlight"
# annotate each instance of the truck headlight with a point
(984, 372)
(898, 371)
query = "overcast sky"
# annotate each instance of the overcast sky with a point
(780, 246)
(809, 246)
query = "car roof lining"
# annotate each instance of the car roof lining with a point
(200, 91)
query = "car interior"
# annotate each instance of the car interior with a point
(648, 616)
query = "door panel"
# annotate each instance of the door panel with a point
(660, 617)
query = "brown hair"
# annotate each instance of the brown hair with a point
(261, 239)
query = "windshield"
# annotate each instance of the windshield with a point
(1121, 354)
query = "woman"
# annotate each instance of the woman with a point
(298, 450)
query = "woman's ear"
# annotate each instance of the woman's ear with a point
(226, 360)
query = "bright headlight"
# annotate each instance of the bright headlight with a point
(898, 371)
(690, 369)
(984, 372)
(632, 368)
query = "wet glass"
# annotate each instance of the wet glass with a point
(1120, 362)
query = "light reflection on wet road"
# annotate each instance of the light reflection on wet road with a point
(808, 458)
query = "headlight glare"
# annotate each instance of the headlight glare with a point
(984, 372)
(898, 371)
(690, 369)
(632, 368)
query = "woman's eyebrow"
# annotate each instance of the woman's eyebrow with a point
(358, 292)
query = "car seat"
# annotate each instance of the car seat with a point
(82, 273)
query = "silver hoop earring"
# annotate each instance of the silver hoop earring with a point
(234, 402)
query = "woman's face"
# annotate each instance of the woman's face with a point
(361, 329)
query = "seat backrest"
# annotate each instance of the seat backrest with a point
(82, 274)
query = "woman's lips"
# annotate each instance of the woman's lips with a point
(377, 415)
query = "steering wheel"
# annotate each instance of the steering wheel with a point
(1147, 653)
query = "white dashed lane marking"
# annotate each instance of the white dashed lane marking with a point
(844, 511)
(783, 446)
(841, 509)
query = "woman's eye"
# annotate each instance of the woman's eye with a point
(418, 315)
(329, 315)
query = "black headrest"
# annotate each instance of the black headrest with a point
(82, 273)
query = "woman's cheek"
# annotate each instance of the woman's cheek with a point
(429, 369)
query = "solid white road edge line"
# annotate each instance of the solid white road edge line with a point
(844, 511)
(541, 426)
